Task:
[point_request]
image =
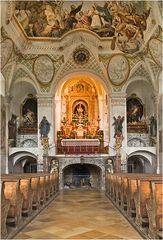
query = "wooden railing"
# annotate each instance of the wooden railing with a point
(139, 197)
(23, 196)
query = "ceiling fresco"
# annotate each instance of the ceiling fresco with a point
(123, 22)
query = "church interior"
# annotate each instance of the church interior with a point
(81, 123)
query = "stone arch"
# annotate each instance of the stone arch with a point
(96, 161)
(30, 78)
(145, 157)
(103, 99)
(85, 174)
(138, 72)
(92, 67)
(93, 75)
(19, 159)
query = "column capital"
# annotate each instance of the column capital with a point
(8, 99)
(45, 101)
(44, 96)
(156, 98)
(118, 95)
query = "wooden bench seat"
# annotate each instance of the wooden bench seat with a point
(155, 210)
(5, 205)
(13, 194)
(141, 196)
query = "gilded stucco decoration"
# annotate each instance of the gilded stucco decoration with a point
(118, 69)
(155, 48)
(43, 69)
(81, 56)
(6, 51)
(122, 22)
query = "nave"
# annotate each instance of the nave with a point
(79, 214)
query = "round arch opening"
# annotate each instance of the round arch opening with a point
(139, 164)
(82, 108)
(82, 176)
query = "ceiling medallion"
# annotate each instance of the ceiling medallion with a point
(155, 48)
(81, 56)
(118, 69)
(43, 69)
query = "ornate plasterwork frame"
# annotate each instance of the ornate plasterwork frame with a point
(148, 46)
(81, 51)
(43, 83)
(128, 71)
(9, 56)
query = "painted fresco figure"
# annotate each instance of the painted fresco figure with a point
(44, 127)
(71, 19)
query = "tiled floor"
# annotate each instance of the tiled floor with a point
(79, 215)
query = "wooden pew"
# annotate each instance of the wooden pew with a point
(13, 194)
(42, 189)
(154, 206)
(52, 184)
(30, 188)
(56, 182)
(141, 196)
(5, 205)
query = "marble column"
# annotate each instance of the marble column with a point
(118, 108)
(7, 107)
(160, 134)
(45, 108)
(57, 113)
(158, 99)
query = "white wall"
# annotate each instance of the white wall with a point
(19, 92)
(144, 91)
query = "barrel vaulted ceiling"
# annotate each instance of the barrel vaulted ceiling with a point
(59, 32)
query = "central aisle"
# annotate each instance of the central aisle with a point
(79, 215)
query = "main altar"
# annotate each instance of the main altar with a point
(80, 120)
(78, 137)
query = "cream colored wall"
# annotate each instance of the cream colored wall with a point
(49, 97)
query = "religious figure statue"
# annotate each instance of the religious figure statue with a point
(118, 126)
(80, 110)
(12, 127)
(153, 126)
(118, 143)
(118, 140)
(44, 127)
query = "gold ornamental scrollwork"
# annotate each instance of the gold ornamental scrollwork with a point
(81, 56)
(118, 69)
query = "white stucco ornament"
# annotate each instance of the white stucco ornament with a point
(155, 48)
(118, 69)
(6, 51)
(43, 69)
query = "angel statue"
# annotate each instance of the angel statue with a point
(118, 126)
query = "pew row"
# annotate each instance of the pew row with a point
(23, 196)
(130, 193)
(5, 205)
(154, 206)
